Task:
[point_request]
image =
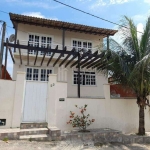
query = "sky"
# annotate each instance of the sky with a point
(112, 10)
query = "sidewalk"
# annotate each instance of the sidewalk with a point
(66, 145)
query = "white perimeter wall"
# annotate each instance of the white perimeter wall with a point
(120, 114)
(11, 98)
(7, 90)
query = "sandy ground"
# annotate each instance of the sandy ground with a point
(27, 145)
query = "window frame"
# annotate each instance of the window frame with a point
(40, 39)
(85, 78)
(39, 73)
(82, 41)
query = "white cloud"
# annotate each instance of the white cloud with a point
(118, 1)
(141, 18)
(34, 14)
(147, 1)
(38, 15)
(99, 3)
(118, 36)
(39, 4)
(140, 28)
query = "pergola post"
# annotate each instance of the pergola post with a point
(78, 74)
(107, 42)
(63, 38)
(16, 29)
(6, 54)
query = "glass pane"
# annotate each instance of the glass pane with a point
(74, 43)
(35, 74)
(29, 74)
(36, 41)
(49, 41)
(48, 72)
(85, 44)
(43, 74)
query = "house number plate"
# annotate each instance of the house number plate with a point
(61, 99)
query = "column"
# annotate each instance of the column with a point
(18, 99)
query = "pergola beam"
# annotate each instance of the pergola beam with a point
(89, 57)
(65, 48)
(91, 61)
(83, 56)
(52, 55)
(71, 60)
(66, 58)
(93, 64)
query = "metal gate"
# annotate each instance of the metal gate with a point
(35, 101)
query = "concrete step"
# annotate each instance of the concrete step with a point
(38, 137)
(33, 131)
(33, 125)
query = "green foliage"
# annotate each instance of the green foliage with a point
(5, 139)
(83, 121)
(129, 64)
(30, 139)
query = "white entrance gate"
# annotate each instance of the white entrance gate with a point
(35, 101)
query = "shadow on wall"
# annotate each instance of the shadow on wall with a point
(117, 90)
(8, 77)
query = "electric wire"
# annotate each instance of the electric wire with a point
(80, 11)
(92, 15)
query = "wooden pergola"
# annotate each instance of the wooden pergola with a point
(72, 58)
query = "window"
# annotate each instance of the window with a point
(82, 44)
(29, 74)
(86, 78)
(33, 41)
(39, 41)
(45, 42)
(35, 74)
(38, 74)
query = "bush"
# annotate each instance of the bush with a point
(83, 121)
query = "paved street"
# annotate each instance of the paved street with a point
(27, 145)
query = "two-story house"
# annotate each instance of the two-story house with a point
(59, 36)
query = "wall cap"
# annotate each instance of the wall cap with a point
(52, 74)
(21, 72)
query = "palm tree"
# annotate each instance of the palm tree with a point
(129, 64)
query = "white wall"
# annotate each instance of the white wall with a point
(95, 91)
(119, 114)
(56, 35)
(67, 75)
(7, 91)
(11, 98)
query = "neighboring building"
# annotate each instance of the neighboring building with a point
(7, 76)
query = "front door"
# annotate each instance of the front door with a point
(35, 101)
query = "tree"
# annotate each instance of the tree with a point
(129, 64)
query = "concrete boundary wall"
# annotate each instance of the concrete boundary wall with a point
(11, 98)
(120, 114)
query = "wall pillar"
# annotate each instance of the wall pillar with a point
(107, 105)
(18, 99)
(51, 101)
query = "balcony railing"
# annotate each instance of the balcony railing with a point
(50, 45)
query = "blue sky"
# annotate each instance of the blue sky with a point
(111, 10)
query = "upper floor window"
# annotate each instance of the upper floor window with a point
(86, 78)
(37, 74)
(79, 44)
(39, 41)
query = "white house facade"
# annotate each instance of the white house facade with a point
(48, 58)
